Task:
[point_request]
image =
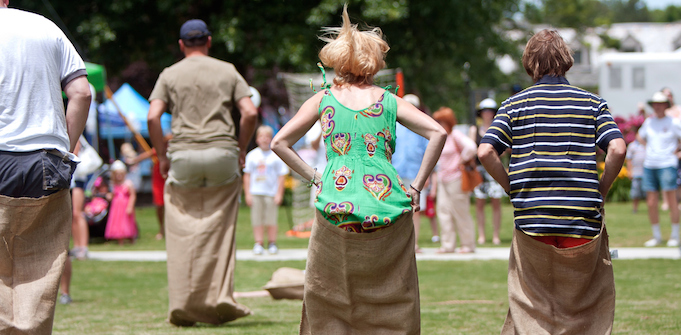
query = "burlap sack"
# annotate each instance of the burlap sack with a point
(200, 226)
(35, 236)
(560, 291)
(286, 283)
(361, 283)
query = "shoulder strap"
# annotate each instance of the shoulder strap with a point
(324, 86)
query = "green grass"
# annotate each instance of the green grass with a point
(626, 229)
(456, 298)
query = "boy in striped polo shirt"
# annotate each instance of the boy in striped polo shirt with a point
(553, 129)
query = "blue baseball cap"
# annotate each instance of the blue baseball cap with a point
(194, 29)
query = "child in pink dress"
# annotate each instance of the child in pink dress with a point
(121, 224)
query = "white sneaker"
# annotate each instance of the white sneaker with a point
(435, 239)
(653, 242)
(65, 299)
(673, 242)
(258, 249)
(272, 249)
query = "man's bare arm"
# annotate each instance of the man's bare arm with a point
(490, 160)
(156, 109)
(617, 151)
(78, 93)
(249, 117)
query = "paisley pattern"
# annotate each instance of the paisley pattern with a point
(339, 212)
(353, 166)
(317, 192)
(326, 121)
(371, 222)
(341, 177)
(399, 180)
(379, 185)
(387, 137)
(370, 142)
(373, 111)
(341, 143)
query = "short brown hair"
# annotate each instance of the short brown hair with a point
(445, 115)
(547, 53)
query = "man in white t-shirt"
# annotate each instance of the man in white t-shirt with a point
(264, 176)
(661, 134)
(37, 62)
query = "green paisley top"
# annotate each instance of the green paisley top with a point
(360, 190)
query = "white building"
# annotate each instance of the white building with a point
(591, 54)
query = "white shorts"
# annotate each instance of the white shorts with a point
(489, 187)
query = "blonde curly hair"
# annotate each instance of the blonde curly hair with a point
(355, 55)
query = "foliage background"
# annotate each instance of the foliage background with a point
(431, 40)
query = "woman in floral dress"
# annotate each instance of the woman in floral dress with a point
(361, 270)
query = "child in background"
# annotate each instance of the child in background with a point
(264, 189)
(100, 199)
(131, 158)
(121, 224)
(636, 154)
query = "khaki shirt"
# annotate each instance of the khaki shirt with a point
(200, 92)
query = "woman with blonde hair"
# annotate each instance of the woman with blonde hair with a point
(361, 271)
(453, 204)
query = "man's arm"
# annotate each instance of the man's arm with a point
(247, 189)
(490, 160)
(249, 116)
(156, 109)
(617, 151)
(78, 93)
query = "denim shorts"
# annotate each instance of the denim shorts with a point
(659, 179)
(34, 174)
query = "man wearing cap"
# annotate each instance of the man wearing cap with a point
(661, 134)
(37, 63)
(203, 163)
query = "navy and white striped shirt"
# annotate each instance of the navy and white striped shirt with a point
(553, 129)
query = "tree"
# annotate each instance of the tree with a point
(430, 39)
(578, 14)
(670, 14)
(628, 11)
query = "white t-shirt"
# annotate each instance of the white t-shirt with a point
(662, 137)
(265, 168)
(319, 160)
(36, 62)
(636, 153)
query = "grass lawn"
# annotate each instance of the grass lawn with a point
(626, 229)
(464, 297)
(456, 298)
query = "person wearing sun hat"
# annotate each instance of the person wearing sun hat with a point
(489, 189)
(202, 162)
(661, 134)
